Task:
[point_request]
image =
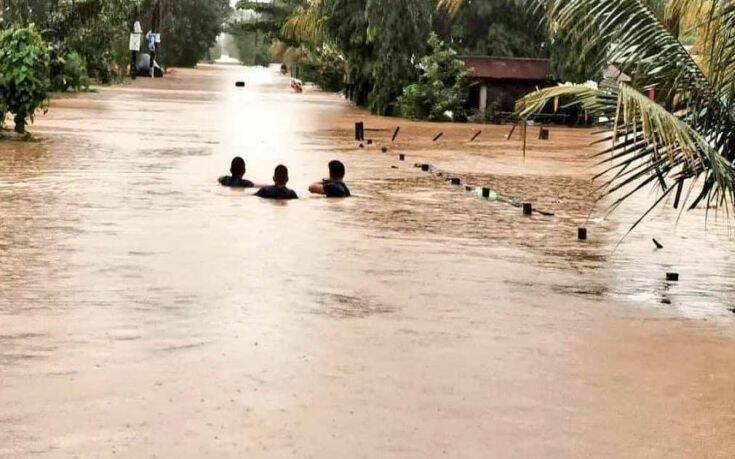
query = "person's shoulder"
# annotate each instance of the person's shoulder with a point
(336, 190)
(292, 194)
(224, 180)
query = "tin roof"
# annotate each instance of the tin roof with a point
(508, 68)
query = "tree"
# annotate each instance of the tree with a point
(399, 32)
(682, 138)
(268, 19)
(23, 74)
(502, 28)
(193, 26)
(442, 86)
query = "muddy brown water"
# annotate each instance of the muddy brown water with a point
(145, 311)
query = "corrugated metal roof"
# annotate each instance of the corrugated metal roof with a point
(508, 68)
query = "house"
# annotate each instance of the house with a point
(499, 82)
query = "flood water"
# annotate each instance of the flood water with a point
(147, 312)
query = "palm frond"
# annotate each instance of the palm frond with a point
(451, 5)
(306, 25)
(648, 144)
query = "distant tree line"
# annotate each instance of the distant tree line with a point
(372, 50)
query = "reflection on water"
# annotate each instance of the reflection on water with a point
(121, 253)
(124, 168)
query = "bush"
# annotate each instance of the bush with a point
(262, 58)
(72, 74)
(324, 67)
(24, 65)
(442, 85)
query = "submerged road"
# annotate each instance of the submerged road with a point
(147, 312)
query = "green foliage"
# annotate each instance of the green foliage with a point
(249, 47)
(324, 67)
(193, 27)
(23, 73)
(266, 18)
(262, 58)
(442, 86)
(502, 28)
(347, 28)
(682, 143)
(72, 74)
(399, 31)
(97, 31)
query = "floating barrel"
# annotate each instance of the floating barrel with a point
(240, 84)
(672, 277)
(527, 208)
(582, 234)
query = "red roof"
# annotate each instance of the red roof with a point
(508, 68)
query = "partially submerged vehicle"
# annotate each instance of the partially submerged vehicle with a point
(143, 67)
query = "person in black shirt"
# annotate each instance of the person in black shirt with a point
(334, 186)
(236, 180)
(279, 190)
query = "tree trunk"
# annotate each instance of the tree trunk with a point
(20, 124)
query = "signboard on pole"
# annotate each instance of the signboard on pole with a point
(134, 42)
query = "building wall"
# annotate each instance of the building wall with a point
(503, 94)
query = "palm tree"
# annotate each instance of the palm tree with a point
(682, 137)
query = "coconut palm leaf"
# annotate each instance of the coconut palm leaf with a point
(648, 143)
(686, 134)
(307, 25)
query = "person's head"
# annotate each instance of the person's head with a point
(238, 167)
(281, 175)
(336, 170)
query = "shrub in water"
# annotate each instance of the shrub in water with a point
(73, 73)
(23, 73)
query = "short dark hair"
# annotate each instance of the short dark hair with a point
(336, 170)
(281, 175)
(238, 167)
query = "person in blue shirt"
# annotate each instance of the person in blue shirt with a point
(151, 39)
(279, 190)
(236, 180)
(334, 186)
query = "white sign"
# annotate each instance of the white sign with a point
(134, 42)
